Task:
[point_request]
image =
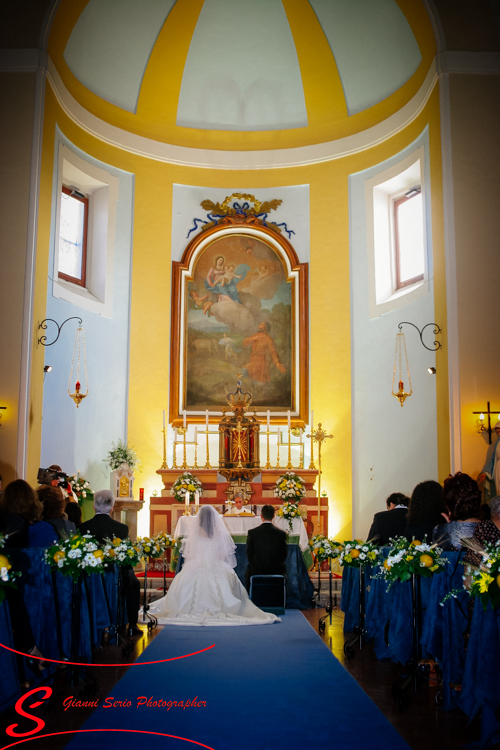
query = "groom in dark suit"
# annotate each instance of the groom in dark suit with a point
(266, 548)
(102, 527)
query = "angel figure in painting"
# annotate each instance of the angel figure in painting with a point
(207, 591)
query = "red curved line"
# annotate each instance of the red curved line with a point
(120, 664)
(136, 731)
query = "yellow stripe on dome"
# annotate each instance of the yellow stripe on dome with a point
(159, 96)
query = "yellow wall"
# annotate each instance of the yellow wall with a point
(330, 395)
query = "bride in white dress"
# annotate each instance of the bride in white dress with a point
(207, 591)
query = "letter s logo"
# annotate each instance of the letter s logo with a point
(39, 723)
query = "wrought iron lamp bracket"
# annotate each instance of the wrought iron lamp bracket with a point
(437, 329)
(43, 326)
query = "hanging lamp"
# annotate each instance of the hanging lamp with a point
(79, 348)
(401, 394)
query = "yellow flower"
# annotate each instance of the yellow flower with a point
(371, 555)
(409, 558)
(4, 562)
(484, 582)
(191, 487)
(116, 541)
(130, 552)
(435, 567)
(98, 553)
(111, 553)
(59, 555)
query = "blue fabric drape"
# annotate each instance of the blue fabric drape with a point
(481, 683)
(10, 690)
(442, 633)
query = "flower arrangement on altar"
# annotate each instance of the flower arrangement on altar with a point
(186, 482)
(324, 548)
(7, 575)
(290, 487)
(121, 551)
(356, 554)
(74, 555)
(407, 557)
(289, 511)
(122, 454)
(81, 488)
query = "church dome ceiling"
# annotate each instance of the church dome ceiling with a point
(242, 74)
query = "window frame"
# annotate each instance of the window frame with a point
(397, 202)
(74, 193)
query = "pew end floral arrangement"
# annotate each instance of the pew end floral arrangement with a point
(121, 551)
(406, 558)
(324, 548)
(356, 554)
(186, 482)
(7, 575)
(482, 580)
(75, 555)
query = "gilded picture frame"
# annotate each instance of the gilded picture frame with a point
(239, 308)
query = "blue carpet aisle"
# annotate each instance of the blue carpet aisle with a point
(270, 686)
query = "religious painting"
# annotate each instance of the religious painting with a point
(239, 310)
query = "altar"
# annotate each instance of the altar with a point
(240, 525)
(165, 511)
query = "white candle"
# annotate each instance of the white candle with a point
(288, 419)
(278, 433)
(196, 434)
(186, 499)
(268, 421)
(184, 419)
(301, 434)
(206, 420)
(196, 497)
(312, 419)
(163, 418)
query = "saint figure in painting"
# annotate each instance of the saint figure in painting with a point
(262, 353)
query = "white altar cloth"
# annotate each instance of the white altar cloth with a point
(239, 525)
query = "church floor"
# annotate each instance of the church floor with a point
(422, 725)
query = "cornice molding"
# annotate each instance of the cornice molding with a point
(235, 160)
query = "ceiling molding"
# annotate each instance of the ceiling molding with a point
(236, 160)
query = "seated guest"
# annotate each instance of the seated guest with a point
(102, 527)
(486, 531)
(74, 512)
(391, 522)
(462, 498)
(20, 514)
(425, 511)
(266, 548)
(54, 503)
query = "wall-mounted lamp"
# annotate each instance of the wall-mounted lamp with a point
(437, 329)
(1, 407)
(47, 368)
(431, 370)
(43, 326)
(481, 427)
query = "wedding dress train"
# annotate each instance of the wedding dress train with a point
(207, 591)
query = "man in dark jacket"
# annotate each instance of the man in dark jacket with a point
(266, 548)
(391, 522)
(102, 527)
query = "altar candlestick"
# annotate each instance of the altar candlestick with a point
(163, 418)
(164, 464)
(206, 420)
(174, 463)
(184, 419)
(289, 464)
(268, 420)
(195, 448)
(196, 497)
(288, 419)
(278, 456)
(186, 499)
